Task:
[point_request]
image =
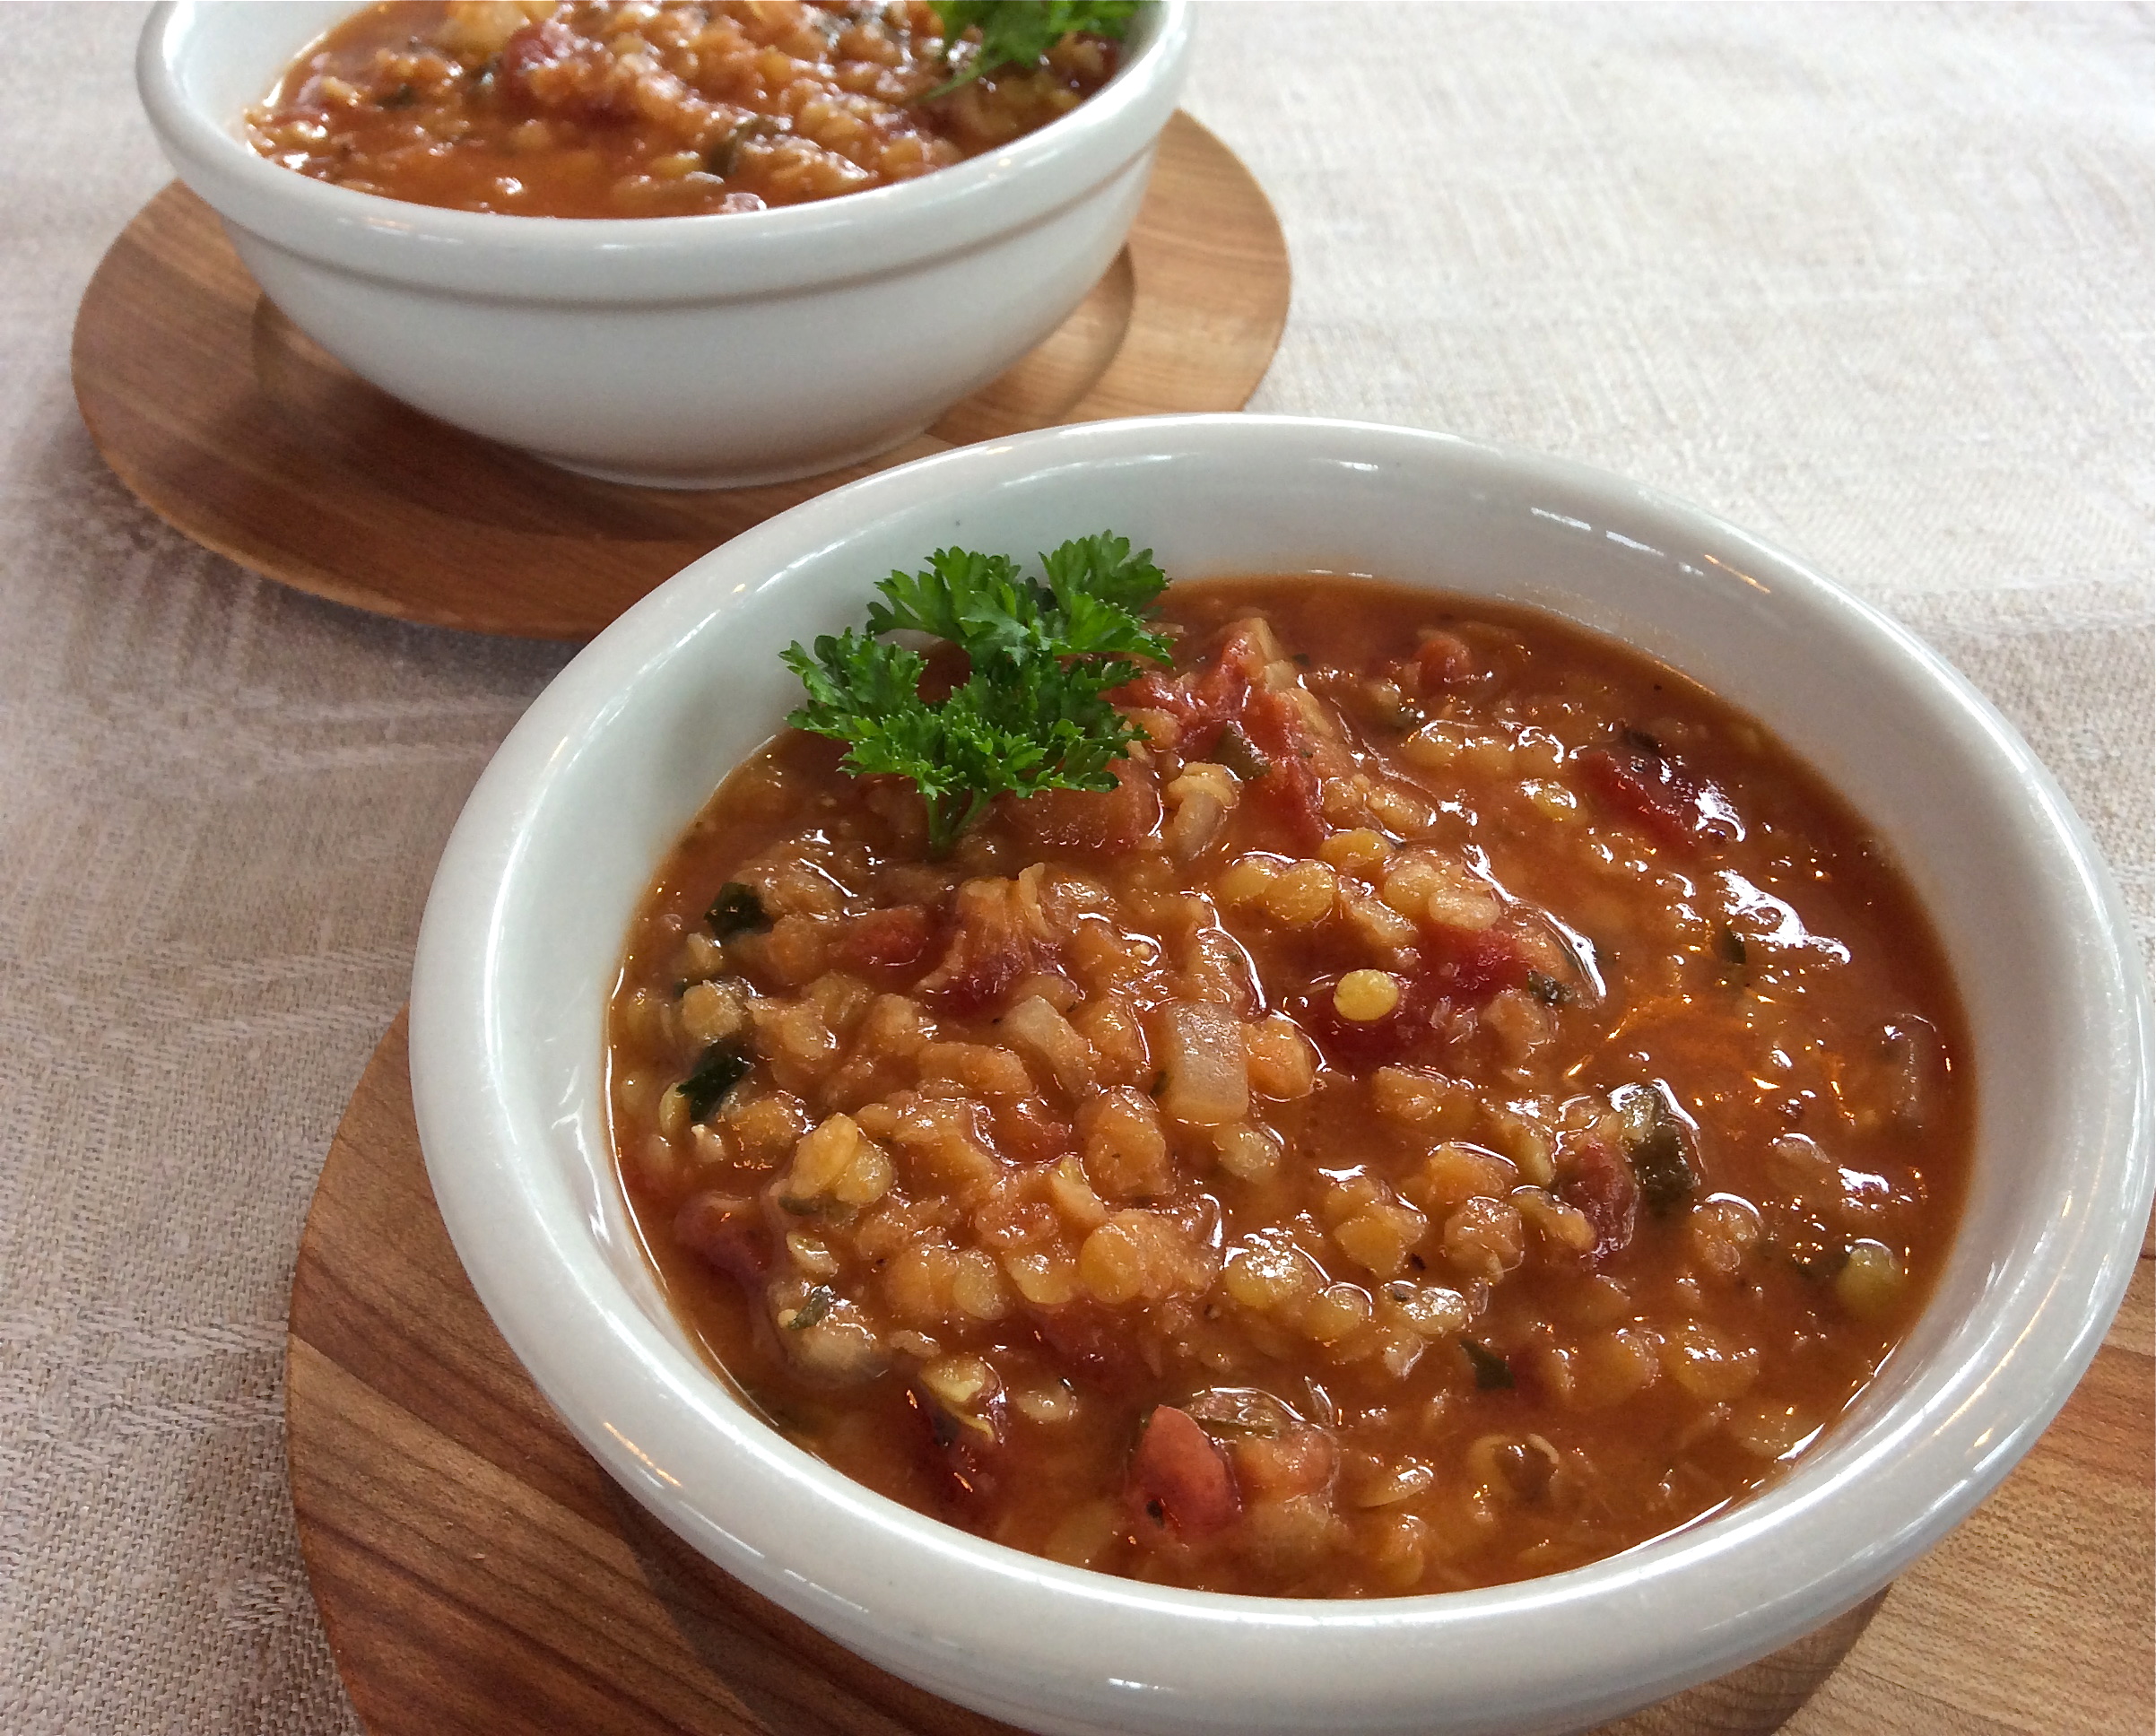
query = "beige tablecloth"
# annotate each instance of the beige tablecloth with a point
(1875, 283)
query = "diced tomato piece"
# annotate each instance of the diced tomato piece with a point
(892, 941)
(1604, 1189)
(991, 944)
(1224, 691)
(1154, 691)
(1223, 686)
(983, 981)
(1085, 1340)
(1357, 1044)
(527, 49)
(1103, 822)
(1473, 967)
(721, 1234)
(1289, 789)
(546, 66)
(1275, 726)
(1644, 785)
(1214, 693)
(1026, 1131)
(1179, 1479)
(1444, 660)
(1468, 967)
(965, 1455)
(1290, 792)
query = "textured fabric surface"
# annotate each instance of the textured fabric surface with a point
(1875, 283)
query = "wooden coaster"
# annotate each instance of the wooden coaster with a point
(478, 1573)
(236, 430)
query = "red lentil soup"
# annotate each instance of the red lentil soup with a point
(1468, 1101)
(639, 110)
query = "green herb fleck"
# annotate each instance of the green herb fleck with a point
(1659, 1146)
(724, 157)
(718, 1070)
(719, 158)
(1548, 990)
(737, 910)
(403, 97)
(1237, 752)
(1729, 947)
(1031, 716)
(808, 1208)
(1492, 1373)
(1817, 1257)
(1019, 32)
(1666, 1177)
(813, 1307)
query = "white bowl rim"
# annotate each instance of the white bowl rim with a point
(471, 1143)
(826, 240)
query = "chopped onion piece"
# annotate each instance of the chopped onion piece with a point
(1035, 1026)
(1206, 1070)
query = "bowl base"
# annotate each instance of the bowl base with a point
(755, 477)
(243, 434)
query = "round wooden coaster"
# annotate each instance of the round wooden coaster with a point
(235, 429)
(478, 1573)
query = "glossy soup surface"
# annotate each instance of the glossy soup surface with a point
(630, 108)
(1467, 1103)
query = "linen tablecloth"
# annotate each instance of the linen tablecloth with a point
(1875, 283)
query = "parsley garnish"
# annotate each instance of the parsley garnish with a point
(1019, 32)
(1033, 715)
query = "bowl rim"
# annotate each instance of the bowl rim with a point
(709, 254)
(2079, 1297)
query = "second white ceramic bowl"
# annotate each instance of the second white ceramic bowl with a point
(680, 352)
(525, 930)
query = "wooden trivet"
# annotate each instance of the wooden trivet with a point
(235, 429)
(478, 1573)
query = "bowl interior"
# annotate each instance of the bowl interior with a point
(527, 929)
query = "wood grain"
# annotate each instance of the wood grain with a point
(234, 427)
(477, 1572)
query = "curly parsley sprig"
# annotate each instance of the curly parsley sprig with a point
(1032, 714)
(1019, 32)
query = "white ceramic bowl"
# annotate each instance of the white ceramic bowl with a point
(682, 351)
(525, 930)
